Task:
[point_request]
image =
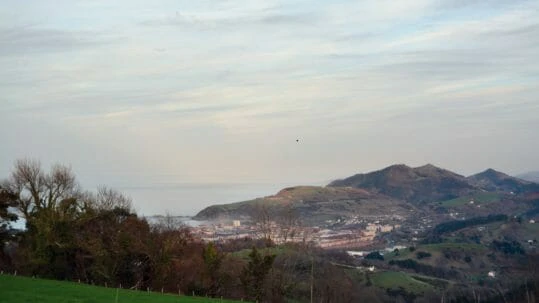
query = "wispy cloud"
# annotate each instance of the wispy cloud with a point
(31, 40)
(219, 21)
(200, 79)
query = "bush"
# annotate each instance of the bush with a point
(508, 248)
(375, 255)
(422, 254)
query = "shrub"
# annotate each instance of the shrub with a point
(422, 254)
(375, 255)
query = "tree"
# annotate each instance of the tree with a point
(37, 190)
(288, 222)
(375, 255)
(177, 258)
(212, 260)
(108, 199)
(262, 218)
(7, 199)
(254, 274)
(50, 204)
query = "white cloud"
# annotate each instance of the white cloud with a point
(218, 90)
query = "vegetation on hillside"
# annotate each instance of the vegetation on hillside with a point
(96, 238)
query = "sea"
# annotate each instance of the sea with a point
(188, 199)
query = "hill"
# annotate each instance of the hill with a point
(313, 203)
(427, 183)
(397, 191)
(492, 180)
(22, 289)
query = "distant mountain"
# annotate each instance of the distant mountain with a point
(395, 191)
(492, 180)
(421, 184)
(532, 176)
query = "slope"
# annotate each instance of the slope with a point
(15, 289)
(421, 184)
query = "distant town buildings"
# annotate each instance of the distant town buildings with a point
(349, 235)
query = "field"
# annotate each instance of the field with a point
(393, 279)
(479, 198)
(23, 289)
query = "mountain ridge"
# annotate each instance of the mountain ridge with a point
(493, 180)
(425, 183)
(398, 187)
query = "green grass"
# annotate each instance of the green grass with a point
(23, 289)
(532, 227)
(449, 245)
(435, 249)
(393, 279)
(438, 283)
(480, 198)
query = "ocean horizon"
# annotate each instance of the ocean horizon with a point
(187, 199)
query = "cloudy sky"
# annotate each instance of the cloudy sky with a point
(139, 92)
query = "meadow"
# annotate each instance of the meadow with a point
(15, 289)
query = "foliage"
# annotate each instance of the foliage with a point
(460, 224)
(97, 238)
(255, 273)
(422, 254)
(508, 247)
(425, 268)
(212, 265)
(375, 255)
(7, 199)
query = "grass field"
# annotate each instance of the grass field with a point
(448, 245)
(479, 198)
(393, 279)
(434, 249)
(23, 289)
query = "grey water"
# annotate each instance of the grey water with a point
(188, 199)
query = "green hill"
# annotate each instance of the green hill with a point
(23, 289)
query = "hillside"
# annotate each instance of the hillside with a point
(397, 191)
(314, 203)
(421, 184)
(492, 180)
(16, 289)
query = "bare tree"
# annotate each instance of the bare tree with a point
(262, 218)
(289, 223)
(168, 223)
(108, 199)
(37, 190)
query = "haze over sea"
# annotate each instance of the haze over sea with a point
(187, 199)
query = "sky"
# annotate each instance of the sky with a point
(137, 93)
